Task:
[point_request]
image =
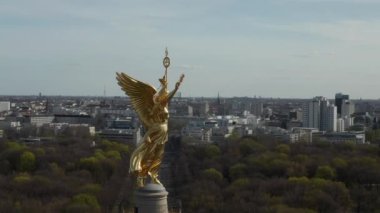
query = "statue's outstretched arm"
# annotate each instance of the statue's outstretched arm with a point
(172, 93)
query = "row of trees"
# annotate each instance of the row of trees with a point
(260, 175)
(69, 174)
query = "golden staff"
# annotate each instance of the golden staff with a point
(166, 63)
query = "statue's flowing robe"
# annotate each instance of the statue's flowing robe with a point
(146, 158)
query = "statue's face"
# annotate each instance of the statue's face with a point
(163, 82)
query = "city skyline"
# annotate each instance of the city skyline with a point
(289, 48)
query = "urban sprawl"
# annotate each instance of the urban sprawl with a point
(197, 120)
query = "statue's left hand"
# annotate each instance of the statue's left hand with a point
(180, 81)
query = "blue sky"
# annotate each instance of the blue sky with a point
(272, 48)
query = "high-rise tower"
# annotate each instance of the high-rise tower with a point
(348, 109)
(320, 114)
(311, 113)
(339, 100)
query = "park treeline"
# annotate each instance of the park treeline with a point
(261, 175)
(71, 173)
(75, 172)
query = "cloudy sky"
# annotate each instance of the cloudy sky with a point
(271, 48)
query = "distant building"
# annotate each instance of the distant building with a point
(320, 114)
(331, 119)
(5, 106)
(74, 119)
(200, 109)
(292, 124)
(348, 109)
(348, 122)
(312, 114)
(199, 129)
(292, 137)
(295, 115)
(339, 100)
(340, 127)
(132, 136)
(127, 123)
(198, 133)
(211, 123)
(40, 120)
(257, 108)
(190, 111)
(303, 134)
(325, 114)
(3, 123)
(118, 112)
(356, 137)
(253, 120)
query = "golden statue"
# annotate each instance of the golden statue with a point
(152, 109)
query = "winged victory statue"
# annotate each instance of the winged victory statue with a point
(152, 108)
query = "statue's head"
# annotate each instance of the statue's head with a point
(163, 82)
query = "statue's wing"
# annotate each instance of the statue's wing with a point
(141, 95)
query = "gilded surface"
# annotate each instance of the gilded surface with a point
(152, 108)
